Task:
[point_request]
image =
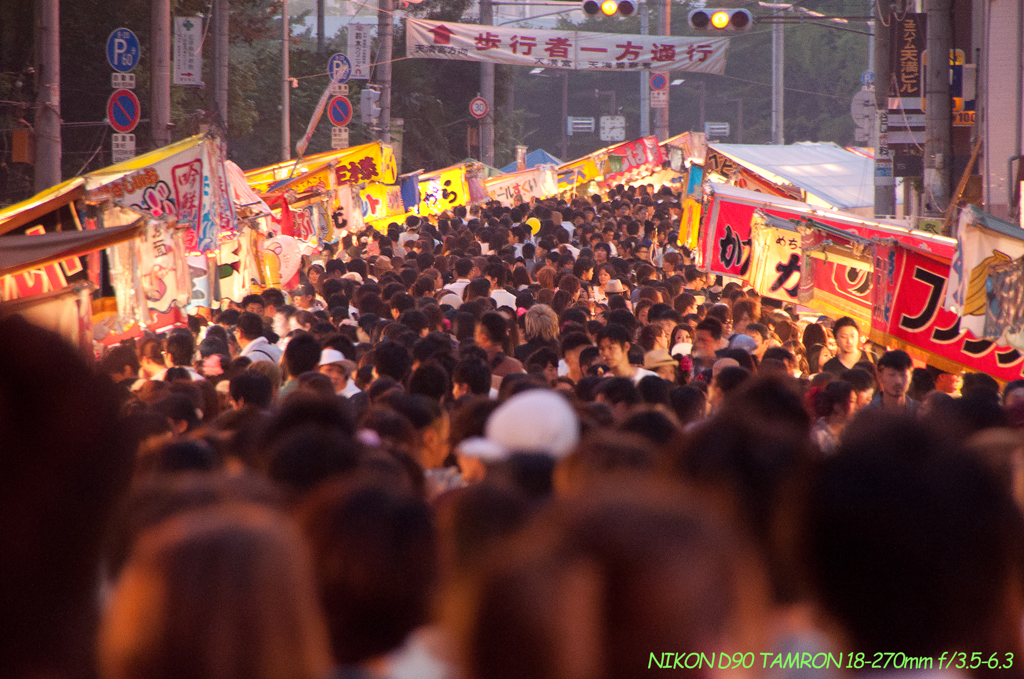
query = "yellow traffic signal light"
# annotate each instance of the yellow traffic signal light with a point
(609, 7)
(720, 20)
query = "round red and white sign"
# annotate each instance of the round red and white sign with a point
(478, 107)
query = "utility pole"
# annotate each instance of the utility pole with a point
(160, 127)
(487, 92)
(47, 119)
(320, 26)
(885, 183)
(220, 63)
(286, 133)
(645, 77)
(739, 120)
(778, 80)
(385, 33)
(938, 155)
(664, 28)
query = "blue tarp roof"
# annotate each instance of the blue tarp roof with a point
(533, 158)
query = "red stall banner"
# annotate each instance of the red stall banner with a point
(908, 314)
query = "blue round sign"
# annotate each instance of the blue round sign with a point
(340, 111)
(659, 81)
(123, 111)
(867, 78)
(339, 68)
(123, 50)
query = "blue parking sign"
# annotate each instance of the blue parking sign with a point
(123, 50)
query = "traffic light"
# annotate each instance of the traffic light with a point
(609, 7)
(368, 108)
(721, 20)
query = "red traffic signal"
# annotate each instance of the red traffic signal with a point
(720, 20)
(609, 7)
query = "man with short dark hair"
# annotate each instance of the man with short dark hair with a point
(122, 365)
(572, 344)
(252, 389)
(894, 370)
(249, 333)
(463, 269)
(253, 304)
(471, 377)
(179, 348)
(613, 342)
(301, 355)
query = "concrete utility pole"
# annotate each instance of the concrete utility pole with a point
(221, 19)
(645, 77)
(286, 132)
(938, 152)
(47, 118)
(778, 80)
(885, 183)
(664, 28)
(160, 127)
(487, 92)
(385, 33)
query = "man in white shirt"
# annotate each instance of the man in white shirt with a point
(463, 269)
(255, 347)
(613, 345)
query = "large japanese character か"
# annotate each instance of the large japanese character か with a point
(734, 251)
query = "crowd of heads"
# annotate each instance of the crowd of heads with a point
(531, 443)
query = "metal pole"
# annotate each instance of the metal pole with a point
(565, 114)
(885, 183)
(664, 28)
(160, 130)
(286, 133)
(487, 92)
(385, 31)
(938, 107)
(645, 77)
(739, 120)
(703, 94)
(320, 26)
(220, 67)
(47, 119)
(778, 82)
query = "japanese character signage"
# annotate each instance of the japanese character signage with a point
(365, 163)
(443, 190)
(777, 256)
(576, 50)
(640, 156)
(359, 51)
(907, 44)
(188, 51)
(908, 314)
(539, 182)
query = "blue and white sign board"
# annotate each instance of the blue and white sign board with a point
(659, 90)
(339, 68)
(123, 50)
(867, 78)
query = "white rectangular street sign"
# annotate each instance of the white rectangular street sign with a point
(188, 51)
(659, 98)
(122, 81)
(578, 124)
(716, 130)
(339, 137)
(122, 147)
(359, 51)
(339, 89)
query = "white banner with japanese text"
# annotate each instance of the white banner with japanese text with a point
(576, 50)
(537, 182)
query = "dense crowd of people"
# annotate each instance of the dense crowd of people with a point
(528, 443)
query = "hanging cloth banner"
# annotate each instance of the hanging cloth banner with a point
(537, 182)
(575, 50)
